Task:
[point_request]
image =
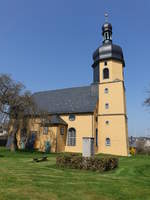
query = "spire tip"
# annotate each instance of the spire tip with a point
(106, 17)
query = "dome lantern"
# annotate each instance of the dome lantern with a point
(107, 50)
(107, 31)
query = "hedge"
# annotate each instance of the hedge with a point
(92, 163)
(3, 141)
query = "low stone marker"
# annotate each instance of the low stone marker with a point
(44, 158)
(88, 146)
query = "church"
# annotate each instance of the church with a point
(96, 111)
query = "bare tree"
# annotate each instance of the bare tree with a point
(147, 100)
(140, 146)
(15, 104)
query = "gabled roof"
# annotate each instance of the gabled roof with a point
(55, 120)
(70, 100)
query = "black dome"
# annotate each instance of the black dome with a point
(107, 52)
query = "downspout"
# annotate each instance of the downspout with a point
(56, 137)
(92, 126)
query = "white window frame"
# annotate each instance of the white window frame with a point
(71, 137)
(72, 117)
(106, 90)
(108, 141)
(107, 106)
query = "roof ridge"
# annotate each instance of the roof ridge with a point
(46, 91)
(67, 100)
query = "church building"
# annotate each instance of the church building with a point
(96, 111)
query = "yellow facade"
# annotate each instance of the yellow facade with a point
(53, 136)
(83, 123)
(84, 128)
(116, 131)
(112, 120)
(115, 70)
(106, 123)
(110, 123)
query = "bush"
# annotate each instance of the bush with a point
(142, 149)
(92, 163)
(132, 151)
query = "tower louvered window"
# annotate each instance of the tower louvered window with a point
(105, 73)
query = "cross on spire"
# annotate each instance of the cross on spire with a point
(106, 17)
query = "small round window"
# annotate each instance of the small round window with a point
(107, 122)
(71, 117)
(106, 90)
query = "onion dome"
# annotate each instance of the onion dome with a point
(108, 50)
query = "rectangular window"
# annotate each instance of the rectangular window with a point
(62, 130)
(96, 119)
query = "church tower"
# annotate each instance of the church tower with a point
(108, 73)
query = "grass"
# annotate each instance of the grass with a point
(22, 179)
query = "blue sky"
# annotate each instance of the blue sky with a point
(48, 44)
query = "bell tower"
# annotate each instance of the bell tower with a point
(108, 73)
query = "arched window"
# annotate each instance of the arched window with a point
(105, 36)
(106, 105)
(105, 73)
(71, 139)
(106, 90)
(107, 141)
(105, 63)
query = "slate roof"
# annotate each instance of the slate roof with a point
(108, 51)
(55, 119)
(70, 100)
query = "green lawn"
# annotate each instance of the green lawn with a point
(21, 179)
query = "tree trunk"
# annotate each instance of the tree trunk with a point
(13, 145)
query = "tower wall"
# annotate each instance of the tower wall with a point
(116, 131)
(115, 71)
(112, 119)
